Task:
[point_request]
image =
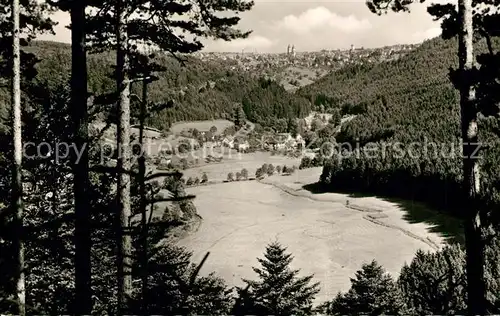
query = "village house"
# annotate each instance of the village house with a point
(164, 157)
(228, 141)
(163, 160)
(207, 136)
(244, 147)
(241, 144)
(299, 142)
(269, 143)
(284, 141)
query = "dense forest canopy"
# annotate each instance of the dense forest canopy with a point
(427, 65)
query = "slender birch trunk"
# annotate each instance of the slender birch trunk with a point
(17, 188)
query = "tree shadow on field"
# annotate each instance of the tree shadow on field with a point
(440, 221)
(316, 188)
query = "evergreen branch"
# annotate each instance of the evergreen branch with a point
(12, 300)
(149, 220)
(100, 133)
(487, 37)
(111, 170)
(195, 273)
(172, 199)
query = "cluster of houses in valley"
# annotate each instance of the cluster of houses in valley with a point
(239, 142)
(283, 142)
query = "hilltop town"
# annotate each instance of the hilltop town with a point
(295, 69)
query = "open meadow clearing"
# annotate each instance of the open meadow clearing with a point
(235, 162)
(221, 125)
(326, 238)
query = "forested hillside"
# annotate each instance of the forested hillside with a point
(427, 65)
(200, 89)
(398, 97)
(405, 105)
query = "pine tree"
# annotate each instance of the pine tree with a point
(83, 271)
(434, 283)
(258, 173)
(20, 22)
(467, 20)
(372, 292)
(279, 291)
(123, 161)
(124, 26)
(177, 289)
(239, 116)
(292, 127)
(244, 173)
(80, 118)
(264, 168)
(270, 169)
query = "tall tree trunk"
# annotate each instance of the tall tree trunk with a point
(17, 188)
(123, 163)
(476, 288)
(83, 302)
(142, 184)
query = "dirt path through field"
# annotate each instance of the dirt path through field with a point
(326, 238)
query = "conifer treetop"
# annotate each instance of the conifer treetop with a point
(279, 290)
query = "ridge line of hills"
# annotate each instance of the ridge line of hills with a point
(206, 88)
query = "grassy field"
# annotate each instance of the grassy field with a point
(235, 162)
(221, 125)
(326, 238)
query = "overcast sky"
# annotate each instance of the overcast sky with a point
(312, 26)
